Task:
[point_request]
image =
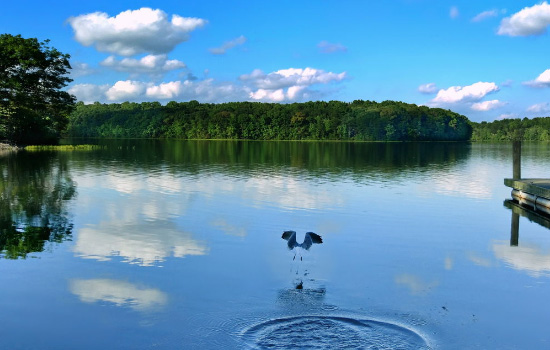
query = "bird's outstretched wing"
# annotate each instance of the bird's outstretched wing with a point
(315, 238)
(311, 238)
(290, 236)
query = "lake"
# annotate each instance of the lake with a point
(144, 244)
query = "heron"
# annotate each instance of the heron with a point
(309, 239)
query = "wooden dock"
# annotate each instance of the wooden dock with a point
(534, 193)
(530, 198)
(537, 187)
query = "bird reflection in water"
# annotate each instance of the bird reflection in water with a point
(310, 238)
(303, 301)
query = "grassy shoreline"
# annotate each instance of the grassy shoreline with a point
(62, 147)
(4, 147)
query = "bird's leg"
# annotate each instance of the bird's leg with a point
(294, 258)
(301, 258)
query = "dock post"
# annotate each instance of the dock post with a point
(514, 236)
(517, 160)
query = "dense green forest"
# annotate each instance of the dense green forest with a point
(358, 120)
(536, 129)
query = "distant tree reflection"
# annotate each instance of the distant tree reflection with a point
(34, 191)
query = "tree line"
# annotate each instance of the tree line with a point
(536, 129)
(35, 109)
(359, 120)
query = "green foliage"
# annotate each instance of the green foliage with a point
(34, 189)
(334, 120)
(536, 129)
(33, 108)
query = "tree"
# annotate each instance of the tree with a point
(33, 108)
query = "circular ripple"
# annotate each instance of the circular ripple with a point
(331, 332)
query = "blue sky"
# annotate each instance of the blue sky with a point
(486, 59)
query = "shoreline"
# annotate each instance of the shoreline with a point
(8, 147)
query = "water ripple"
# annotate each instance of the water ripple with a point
(330, 332)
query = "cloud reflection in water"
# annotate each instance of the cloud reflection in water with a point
(526, 257)
(144, 244)
(120, 293)
(415, 284)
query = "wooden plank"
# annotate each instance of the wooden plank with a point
(538, 187)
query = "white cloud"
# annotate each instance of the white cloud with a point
(543, 80)
(507, 83)
(293, 92)
(127, 90)
(228, 45)
(268, 95)
(281, 86)
(165, 91)
(539, 107)
(130, 90)
(532, 20)
(211, 91)
(204, 90)
(150, 64)
(120, 293)
(89, 93)
(80, 69)
(429, 88)
(327, 47)
(484, 15)
(487, 105)
(133, 32)
(255, 75)
(459, 94)
(453, 12)
(291, 77)
(284, 85)
(187, 24)
(296, 81)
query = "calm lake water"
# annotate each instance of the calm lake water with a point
(177, 245)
